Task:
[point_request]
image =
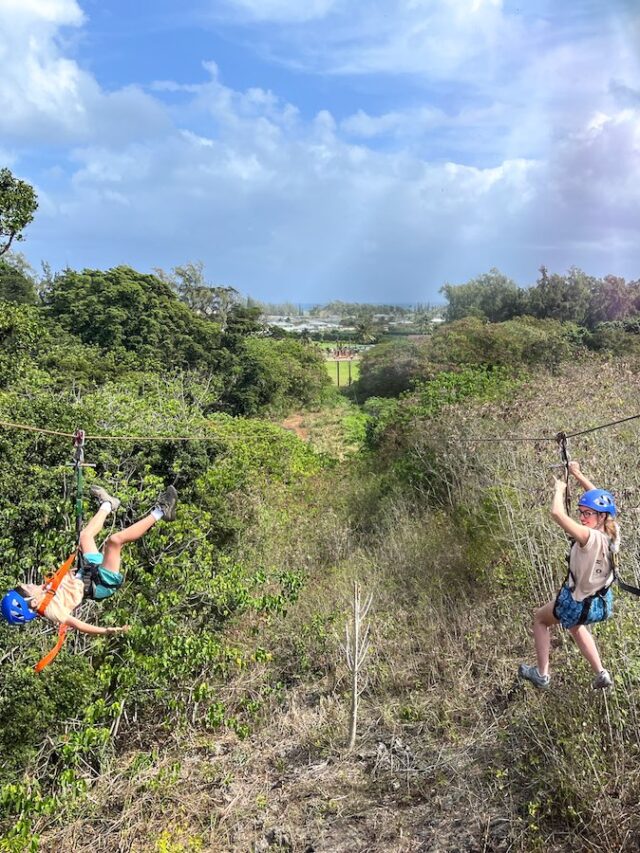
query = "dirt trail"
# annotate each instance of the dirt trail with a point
(294, 424)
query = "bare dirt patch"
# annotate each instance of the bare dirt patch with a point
(294, 423)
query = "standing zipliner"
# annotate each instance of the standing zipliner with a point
(98, 575)
(586, 596)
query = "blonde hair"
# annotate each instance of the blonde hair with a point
(612, 529)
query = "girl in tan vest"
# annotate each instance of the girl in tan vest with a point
(586, 596)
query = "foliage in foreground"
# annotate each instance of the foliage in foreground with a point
(184, 581)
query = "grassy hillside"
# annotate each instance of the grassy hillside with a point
(450, 533)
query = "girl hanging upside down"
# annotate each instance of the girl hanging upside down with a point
(586, 596)
(98, 576)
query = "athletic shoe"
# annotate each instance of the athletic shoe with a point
(103, 496)
(602, 680)
(167, 503)
(530, 673)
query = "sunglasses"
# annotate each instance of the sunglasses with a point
(587, 513)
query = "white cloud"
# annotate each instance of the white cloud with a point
(264, 201)
(58, 12)
(396, 123)
(439, 37)
(537, 165)
(302, 210)
(45, 95)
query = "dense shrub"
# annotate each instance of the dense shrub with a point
(520, 342)
(276, 375)
(15, 285)
(391, 367)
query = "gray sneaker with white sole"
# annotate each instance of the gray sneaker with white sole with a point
(103, 496)
(530, 673)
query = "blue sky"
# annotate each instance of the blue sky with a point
(327, 149)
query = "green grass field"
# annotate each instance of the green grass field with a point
(343, 368)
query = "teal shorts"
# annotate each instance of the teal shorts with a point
(94, 559)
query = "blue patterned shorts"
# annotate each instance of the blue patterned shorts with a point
(595, 608)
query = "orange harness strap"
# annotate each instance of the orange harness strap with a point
(51, 586)
(46, 660)
(54, 582)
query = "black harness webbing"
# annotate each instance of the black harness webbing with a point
(634, 590)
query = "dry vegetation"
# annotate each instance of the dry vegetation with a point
(452, 754)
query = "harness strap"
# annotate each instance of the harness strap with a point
(46, 660)
(52, 584)
(634, 590)
(587, 602)
(561, 438)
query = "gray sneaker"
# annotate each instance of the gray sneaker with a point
(167, 503)
(530, 673)
(602, 680)
(102, 496)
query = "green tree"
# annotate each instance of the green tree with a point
(391, 367)
(126, 311)
(367, 329)
(18, 203)
(276, 375)
(561, 297)
(491, 296)
(521, 341)
(611, 299)
(15, 284)
(36, 353)
(208, 300)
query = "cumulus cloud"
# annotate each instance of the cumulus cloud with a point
(540, 167)
(268, 200)
(45, 95)
(300, 209)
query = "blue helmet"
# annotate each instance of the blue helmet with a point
(599, 499)
(15, 609)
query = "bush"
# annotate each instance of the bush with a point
(276, 375)
(523, 341)
(391, 367)
(124, 311)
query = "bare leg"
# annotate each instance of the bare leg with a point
(114, 543)
(587, 645)
(543, 619)
(91, 530)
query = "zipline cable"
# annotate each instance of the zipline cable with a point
(29, 428)
(602, 426)
(99, 437)
(552, 437)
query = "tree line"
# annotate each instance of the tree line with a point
(575, 297)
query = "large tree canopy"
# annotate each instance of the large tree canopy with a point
(491, 296)
(18, 203)
(121, 309)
